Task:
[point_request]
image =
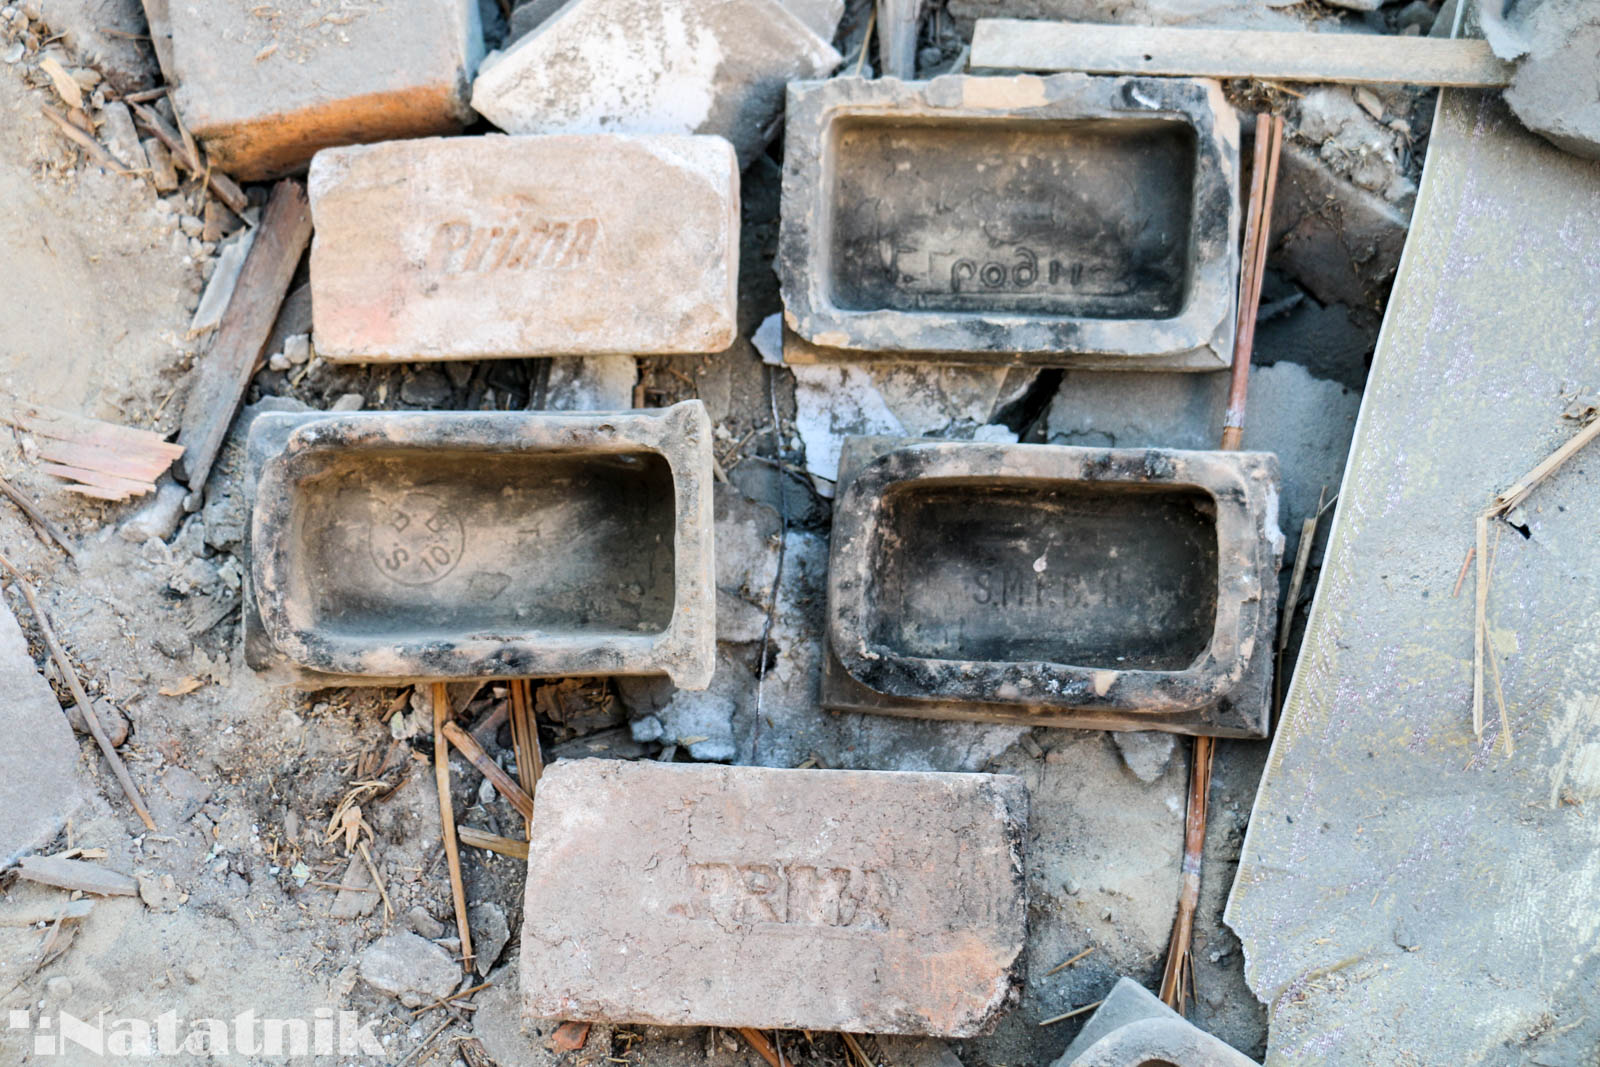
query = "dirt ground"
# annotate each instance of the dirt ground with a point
(240, 905)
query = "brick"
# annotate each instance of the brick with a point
(474, 247)
(265, 86)
(695, 895)
(1090, 221)
(387, 547)
(1052, 585)
(656, 66)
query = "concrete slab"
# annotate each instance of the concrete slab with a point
(1054, 586)
(264, 87)
(425, 545)
(475, 247)
(1108, 227)
(656, 66)
(690, 895)
(1406, 890)
(40, 787)
(1133, 1028)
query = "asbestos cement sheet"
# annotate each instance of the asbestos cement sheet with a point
(1408, 893)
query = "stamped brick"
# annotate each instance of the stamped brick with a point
(265, 86)
(697, 895)
(394, 546)
(656, 66)
(1053, 585)
(477, 247)
(1071, 220)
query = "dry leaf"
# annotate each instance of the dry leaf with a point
(188, 685)
(67, 86)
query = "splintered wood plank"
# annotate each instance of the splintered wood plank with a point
(110, 462)
(111, 483)
(1272, 55)
(225, 371)
(59, 425)
(121, 465)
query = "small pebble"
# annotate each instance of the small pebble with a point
(298, 348)
(348, 402)
(192, 225)
(57, 989)
(279, 361)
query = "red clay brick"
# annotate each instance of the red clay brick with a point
(691, 895)
(264, 87)
(476, 247)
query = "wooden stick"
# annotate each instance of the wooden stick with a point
(225, 372)
(469, 747)
(521, 698)
(525, 742)
(226, 189)
(377, 880)
(457, 995)
(64, 665)
(1508, 501)
(1070, 1014)
(506, 846)
(447, 818)
(37, 517)
(763, 1047)
(1258, 236)
(96, 150)
(1179, 971)
(1063, 966)
(1295, 55)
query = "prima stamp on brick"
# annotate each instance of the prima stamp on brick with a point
(472, 248)
(699, 895)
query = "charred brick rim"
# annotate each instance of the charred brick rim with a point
(685, 650)
(1199, 338)
(1245, 563)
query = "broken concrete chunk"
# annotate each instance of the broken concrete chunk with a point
(120, 136)
(265, 88)
(163, 172)
(160, 892)
(1147, 753)
(79, 875)
(402, 963)
(1133, 1027)
(654, 66)
(465, 248)
(489, 933)
(865, 901)
(1050, 585)
(992, 234)
(1563, 40)
(426, 545)
(40, 787)
(358, 896)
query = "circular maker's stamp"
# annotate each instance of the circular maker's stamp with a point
(416, 540)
